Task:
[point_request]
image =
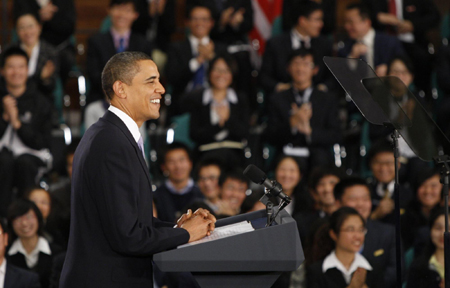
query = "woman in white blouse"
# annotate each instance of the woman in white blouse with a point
(340, 240)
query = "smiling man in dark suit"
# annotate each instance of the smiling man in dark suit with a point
(113, 234)
(11, 276)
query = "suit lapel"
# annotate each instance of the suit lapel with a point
(11, 277)
(112, 118)
(112, 49)
(376, 49)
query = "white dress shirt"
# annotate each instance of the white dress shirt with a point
(193, 63)
(369, 41)
(128, 121)
(297, 37)
(2, 273)
(32, 62)
(32, 258)
(331, 261)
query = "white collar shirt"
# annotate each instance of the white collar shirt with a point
(32, 258)
(331, 261)
(32, 62)
(369, 41)
(296, 39)
(390, 188)
(2, 273)
(128, 121)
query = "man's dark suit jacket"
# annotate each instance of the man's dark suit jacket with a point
(324, 120)
(19, 278)
(423, 14)
(379, 250)
(100, 49)
(276, 57)
(113, 234)
(386, 48)
(333, 278)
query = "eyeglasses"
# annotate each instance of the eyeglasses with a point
(353, 230)
(206, 178)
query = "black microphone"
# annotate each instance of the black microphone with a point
(257, 176)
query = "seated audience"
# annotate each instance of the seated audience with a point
(341, 240)
(120, 38)
(12, 276)
(379, 244)
(219, 115)
(58, 26)
(43, 56)
(305, 33)
(188, 60)
(29, 249)
(303, 121)
(382, 164)
(234, 186)
(179, 189)
(25, 128)
(427, 271)
(417, 213)
(375, 48)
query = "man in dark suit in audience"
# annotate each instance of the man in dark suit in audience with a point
(113, 232)
(305, 33)
(379, 243)
(375, 48)
(11, 276)
(410, 21)
(303, 121)
(187, 62)
(102, 46)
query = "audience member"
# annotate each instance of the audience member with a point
(120, 38)
(58, 26)
(427, 271)
(417, 213)
(442, 75)
(305, 33)
(303, 121)
(341, 240)
(12, 276)
(188, 60)
(379, 244)
(43, 56)
(25, 127)
(219, 115)
(29, 249)
(382, 164)
(234, 186)
(375, 48)
(411, 21)
(179, 189)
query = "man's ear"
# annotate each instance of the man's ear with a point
(333, 235)
(6, 239)
(119, 89)
(315, 70)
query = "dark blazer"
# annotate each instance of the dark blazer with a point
(333, 278)
(423, 14)
(201, 129)
(43, 267)
(100, 49)
(35, 113)
(177, 69)
(324, 120)
(379, 250)
(443, 69)
(20, 278)
(421, 276)
(60, 27)
(276, 56)
(113, 234)
(386, 47)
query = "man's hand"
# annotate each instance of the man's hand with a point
(282, 86)
(156, 7)
(388, 19)
(358, 279)
(386, 207)
(198, 226)
(47, 70)
(224, 114)
(405, 26)
(46, 13)
(206, 52)
(199, 212)
(358, 49)
(301, 117)
(11, 113)
(237, 18)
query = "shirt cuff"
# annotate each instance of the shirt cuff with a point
(194, 64)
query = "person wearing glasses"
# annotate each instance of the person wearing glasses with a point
(379, 243)
(342, 238)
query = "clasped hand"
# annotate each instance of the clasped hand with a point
(199, 224)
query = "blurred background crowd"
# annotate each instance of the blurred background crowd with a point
(245, 84)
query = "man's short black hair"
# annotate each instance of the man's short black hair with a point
(303, 9)
(381, 146)
(175, 146)
(121, 67)
(190, 8)
(235, 174)
(33, 14)
(320, 172)
(345, 183)
(121, 2)
(13, 51)
(209, 161)
(302, 52)
(363, 10)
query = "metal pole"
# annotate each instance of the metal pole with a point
(398, 243)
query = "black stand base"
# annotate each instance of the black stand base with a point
(236, 280)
